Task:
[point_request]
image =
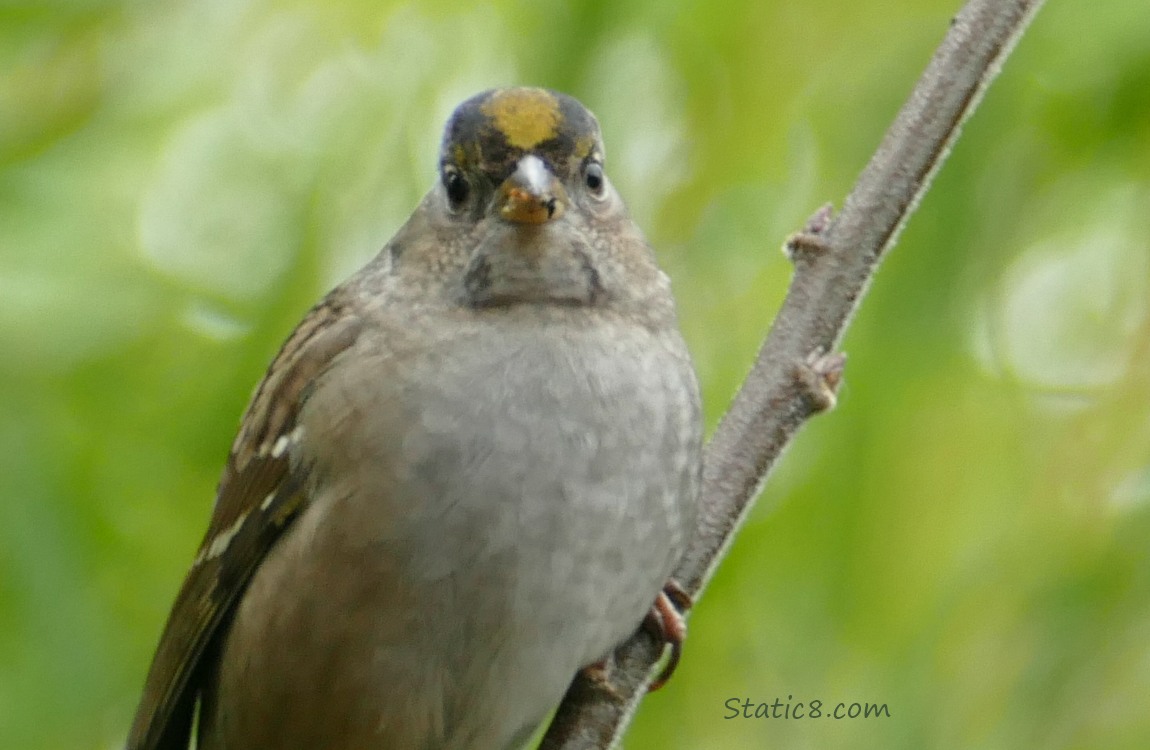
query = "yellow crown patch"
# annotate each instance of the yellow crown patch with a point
(525, 116)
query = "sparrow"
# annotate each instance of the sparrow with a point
(466, 476)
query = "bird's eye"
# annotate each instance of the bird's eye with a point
(594, 179)
(456, 186)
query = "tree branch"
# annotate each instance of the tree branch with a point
(794, 377)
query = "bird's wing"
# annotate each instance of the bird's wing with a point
(262, 491)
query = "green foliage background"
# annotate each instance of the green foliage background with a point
(966, 539)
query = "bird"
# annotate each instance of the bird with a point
(466, 476)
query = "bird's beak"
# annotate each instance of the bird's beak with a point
(532, 194)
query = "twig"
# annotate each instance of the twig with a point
(795, 376)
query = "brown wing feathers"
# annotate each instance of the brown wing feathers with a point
(261, 492)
